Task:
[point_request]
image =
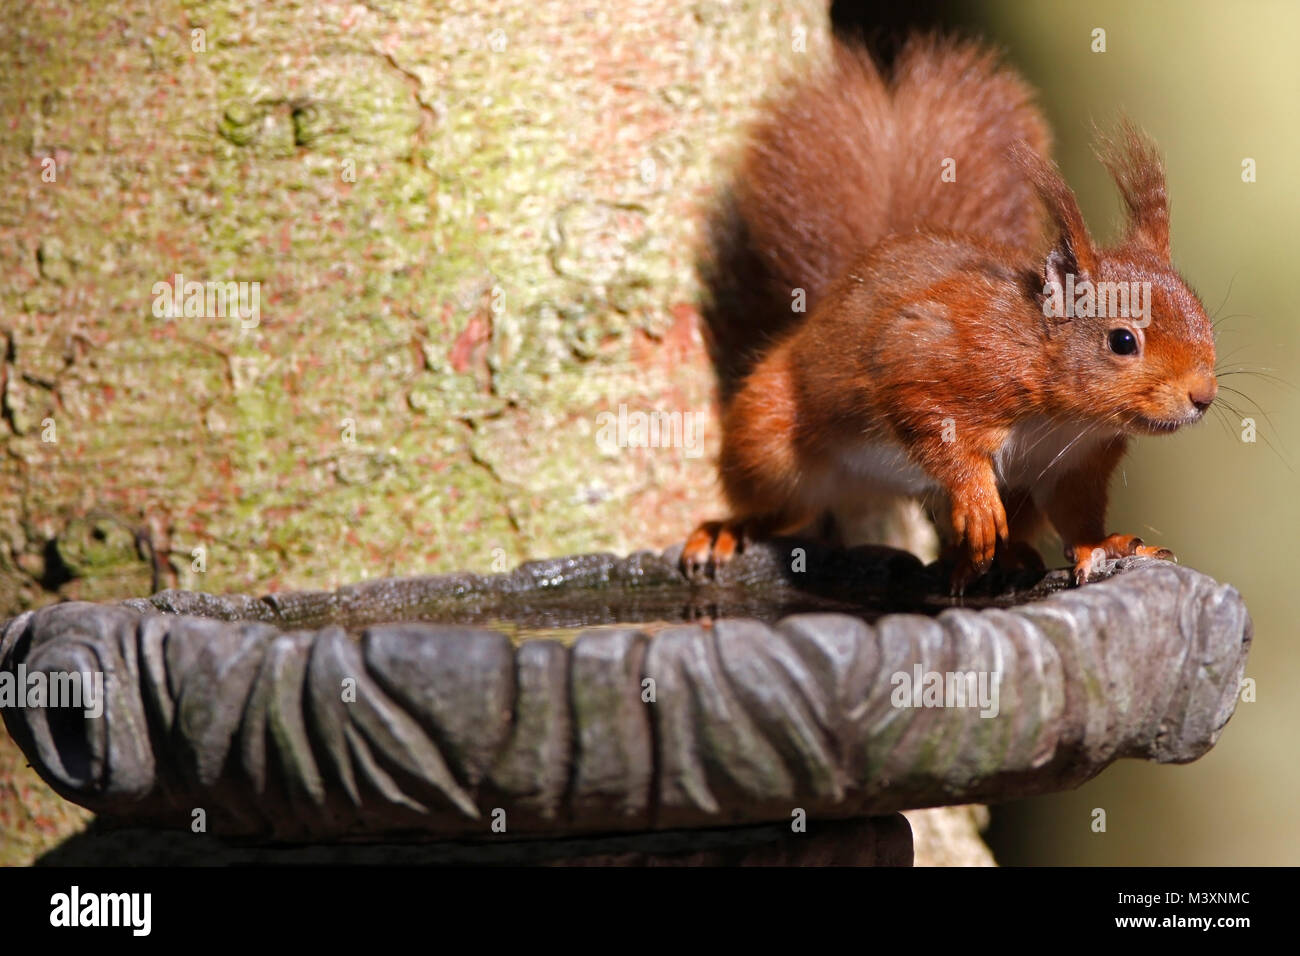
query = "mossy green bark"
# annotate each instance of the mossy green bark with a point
(473, 226)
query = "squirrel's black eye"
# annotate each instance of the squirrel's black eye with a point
(1122, 342)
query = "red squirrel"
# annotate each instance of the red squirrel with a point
(935, 243)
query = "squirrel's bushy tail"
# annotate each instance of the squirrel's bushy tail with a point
(851, 155)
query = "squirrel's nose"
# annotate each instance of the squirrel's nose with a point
(1202, 393)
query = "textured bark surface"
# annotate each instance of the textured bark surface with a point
(474, 227)
(383, 169)
(281, 733)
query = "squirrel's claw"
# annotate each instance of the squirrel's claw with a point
(710, 546)
(1089, 558)
(965, 569)
(963, 573)
(980, 524)
(1011, 558)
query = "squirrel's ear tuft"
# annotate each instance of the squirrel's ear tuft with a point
(1073, 250)
(1134, 163)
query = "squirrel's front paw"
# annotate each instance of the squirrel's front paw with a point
(710, 546)
(979, 523)
(1089, 558)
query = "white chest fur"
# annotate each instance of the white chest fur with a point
(1035, 455)
(1039, 451)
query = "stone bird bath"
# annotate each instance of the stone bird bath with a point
(604, 708)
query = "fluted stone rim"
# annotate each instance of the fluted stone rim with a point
(241, 712)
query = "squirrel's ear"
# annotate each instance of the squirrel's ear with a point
(1055, 268)
(1073, 251)
(1134, 163)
